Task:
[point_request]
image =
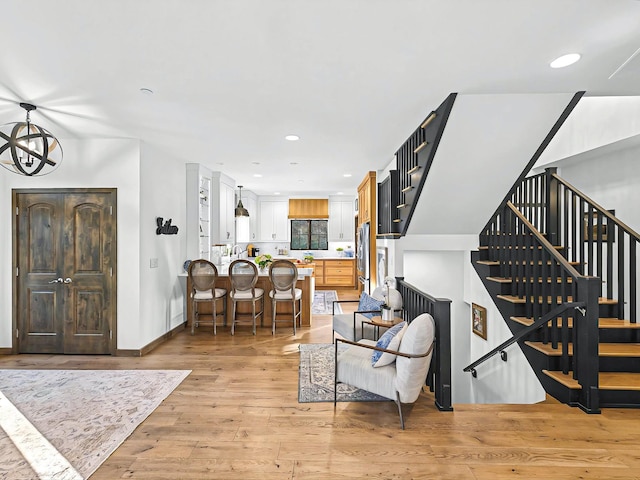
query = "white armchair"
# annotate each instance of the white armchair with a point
(400, 381)
(350, 326)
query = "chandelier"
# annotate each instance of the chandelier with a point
(29, 149)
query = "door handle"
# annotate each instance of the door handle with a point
(57, 280)
(66, 280)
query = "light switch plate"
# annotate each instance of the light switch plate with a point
(153, 263)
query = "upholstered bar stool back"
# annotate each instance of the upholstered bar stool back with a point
(203, 275)
(243, 276)
(283, 275)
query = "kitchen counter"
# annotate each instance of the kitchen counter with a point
(305, 283)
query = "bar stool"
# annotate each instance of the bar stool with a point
(243, 276)
(283, 275)
(203, 275)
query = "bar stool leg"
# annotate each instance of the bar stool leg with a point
(233, 318)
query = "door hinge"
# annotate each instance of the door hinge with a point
(17, 333)
(17, 271)
(111, 210)
(111, 271)
(17, 211)
(110, 334)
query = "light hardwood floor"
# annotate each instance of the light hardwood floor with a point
(237, 416)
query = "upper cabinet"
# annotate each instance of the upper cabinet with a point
(223, 193)
(199, 223)
(367, 200)
(273, 221)
(341, 219)
(250, 202)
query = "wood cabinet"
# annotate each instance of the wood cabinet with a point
(273, 221)
(335, 273)
(198, 226)
(341, 220)
(367, 200)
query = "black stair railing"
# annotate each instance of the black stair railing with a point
(543, 280)
(602, 243)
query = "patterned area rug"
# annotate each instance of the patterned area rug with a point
(323, 302)
(316, 374)
(84, 414)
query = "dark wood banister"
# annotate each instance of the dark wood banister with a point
(598, 207)
(523, 333)
(545, 243)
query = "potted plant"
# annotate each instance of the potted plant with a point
(308, 258)
(263, 261)
(340, 250)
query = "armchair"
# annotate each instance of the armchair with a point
(400, 381)
(346, 324)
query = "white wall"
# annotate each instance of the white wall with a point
(440, 265)
(162, 194)
(106, 163)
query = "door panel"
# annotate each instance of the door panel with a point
(65, 254)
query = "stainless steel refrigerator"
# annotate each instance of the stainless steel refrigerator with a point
(362, 256)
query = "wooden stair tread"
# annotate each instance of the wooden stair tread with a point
(518, 247)
(495, 262)
(606, 380)
(517, 300)
(604, 349)
(602, 322)
(525, 280)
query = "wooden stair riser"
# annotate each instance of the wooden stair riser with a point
(520, 309)
(606, 363)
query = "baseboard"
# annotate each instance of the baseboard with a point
(6, 351)
(150, 346)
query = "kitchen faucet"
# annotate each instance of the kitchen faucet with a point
(236, 250)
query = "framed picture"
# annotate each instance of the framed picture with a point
(479, 320)
(595, 227)
(381, 263)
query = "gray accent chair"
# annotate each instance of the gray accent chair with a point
(400, 381)
(354, 326)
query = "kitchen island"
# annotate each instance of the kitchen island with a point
(305, 283)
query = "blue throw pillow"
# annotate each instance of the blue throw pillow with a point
(369, 303)
(390, 340)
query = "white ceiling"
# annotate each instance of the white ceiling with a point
(353, 78)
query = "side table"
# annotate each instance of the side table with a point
(377, 322)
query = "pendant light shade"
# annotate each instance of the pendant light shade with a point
(240, 210)
(29, 149)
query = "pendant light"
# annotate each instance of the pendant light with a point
(29, 149)
(243, 226)
(240, 210)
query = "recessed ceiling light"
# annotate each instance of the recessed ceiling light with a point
(276, 193)
(346, 175)
(146, 91)
(220, 163)
(255, 163)
(293, 163)
(300, 181)
(257, 175)
(565, 60)
(292, 138)
(340, 193)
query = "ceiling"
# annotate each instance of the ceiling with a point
(352, 78)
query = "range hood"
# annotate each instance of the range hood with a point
(304, 208)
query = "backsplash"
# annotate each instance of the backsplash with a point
(280, 249)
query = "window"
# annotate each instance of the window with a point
(309, 235)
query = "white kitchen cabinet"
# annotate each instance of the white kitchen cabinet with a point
(250, 201)
(341, 219)
(273, 220)
(223, 194)
(198, 227)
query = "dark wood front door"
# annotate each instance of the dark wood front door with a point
(65, 254)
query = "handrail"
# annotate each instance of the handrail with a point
(523, 333)
(598, 207)
(545, 243)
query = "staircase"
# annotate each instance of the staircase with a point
(562, 271)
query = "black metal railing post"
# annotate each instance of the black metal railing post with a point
(585, 350)
(442, 310)
(552, 206)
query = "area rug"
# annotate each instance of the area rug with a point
(323, 302)
(316, 374)
(84, 414)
